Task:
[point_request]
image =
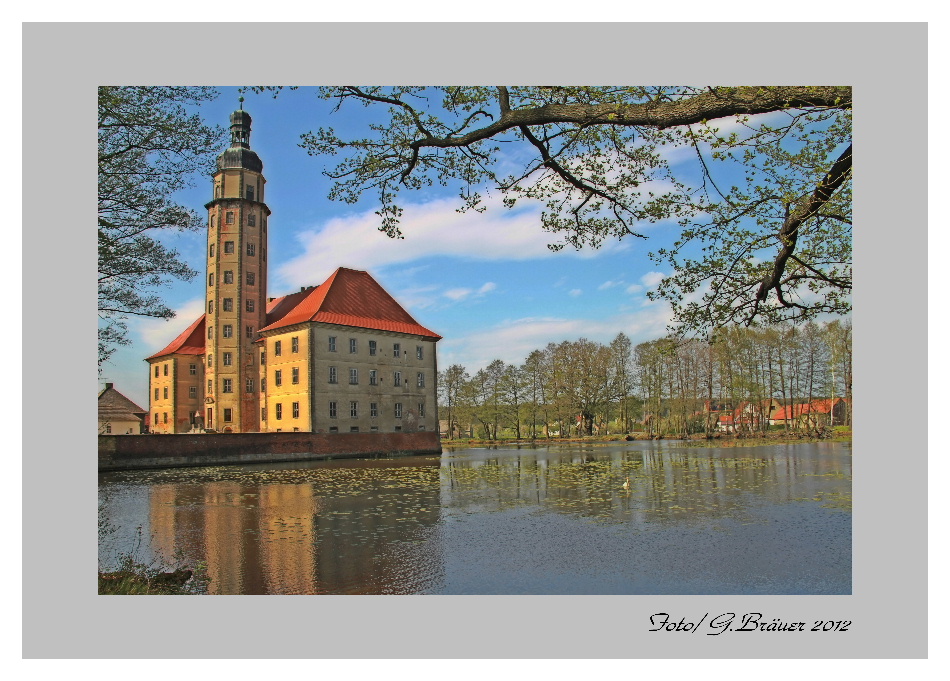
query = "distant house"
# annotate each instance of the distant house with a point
(824, 412)
(118, 415)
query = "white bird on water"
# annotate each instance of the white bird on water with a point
(626, 483)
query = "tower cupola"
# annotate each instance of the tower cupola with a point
(239, 154)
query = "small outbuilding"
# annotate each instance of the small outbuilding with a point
(118, 415)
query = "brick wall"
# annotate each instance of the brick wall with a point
(169, 451)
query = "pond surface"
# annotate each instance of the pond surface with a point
(529, 520)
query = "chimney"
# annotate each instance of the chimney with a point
(108, 386)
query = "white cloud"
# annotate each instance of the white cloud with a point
(574, 292)
(457, 294)
(154, 334)
(610, 284)
(634, 288)
(651, 279)
(430, 229)
(513, 340)
(460, 294)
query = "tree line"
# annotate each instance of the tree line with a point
(669, 386)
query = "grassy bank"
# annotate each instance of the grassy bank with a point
(839, 434)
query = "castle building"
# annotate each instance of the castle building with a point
(343, 356)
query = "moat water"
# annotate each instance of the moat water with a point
(516, 520)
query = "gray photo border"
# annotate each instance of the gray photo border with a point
(63, 617)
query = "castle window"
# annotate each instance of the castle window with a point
(296, 409)
(229, 247)
(250, 247)
(263, 384)
(228, 277)
(353, 409)
(227, 331)
(332, 410)
(332, 374)
(278, 411)
(422, 410)
(249, 331)
(263, 413)
(372, 348)
(211, 251)
(398, 410)
(165, 369)
(352, 346)
(354, 429)
(156, 371)
(230, 217)
(108, 429)
(193, 392)
(211, 279)
(210, 360)
(155, 422)
(418, 352)
(295, 344)
(420, 380)
(278, 378)
(249, 193)
(276, 348)
(165, 417)
(372, 377)
(249, 305)
(397, 379)
(193, 369)
(156, 394)
(210, 306)
(263, 357)
(165, 393)
(331, 345)
(373, 410)
(295, 375)
(227, 415)
(209, 386)
(210, 332)
(228, 305)
(249, 385)
(251, 222)
(227, 359)
(354, 376)
(250, 278)
(395, 349)
(226, 385)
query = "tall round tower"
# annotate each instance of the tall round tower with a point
(236, 284)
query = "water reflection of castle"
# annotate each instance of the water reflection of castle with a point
(260, 538)
(382, 529)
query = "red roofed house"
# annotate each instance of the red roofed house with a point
(343, 356)
(810, 414)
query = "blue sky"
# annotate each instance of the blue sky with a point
(485, 281)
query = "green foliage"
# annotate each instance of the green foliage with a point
(148, 147)
(129, 574)
(664, 387)
(775, 246)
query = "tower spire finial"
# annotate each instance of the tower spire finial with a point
(241, 103)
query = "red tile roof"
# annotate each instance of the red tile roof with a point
(190, 342)
(814, 407)
(348, 298)
(334, 302)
